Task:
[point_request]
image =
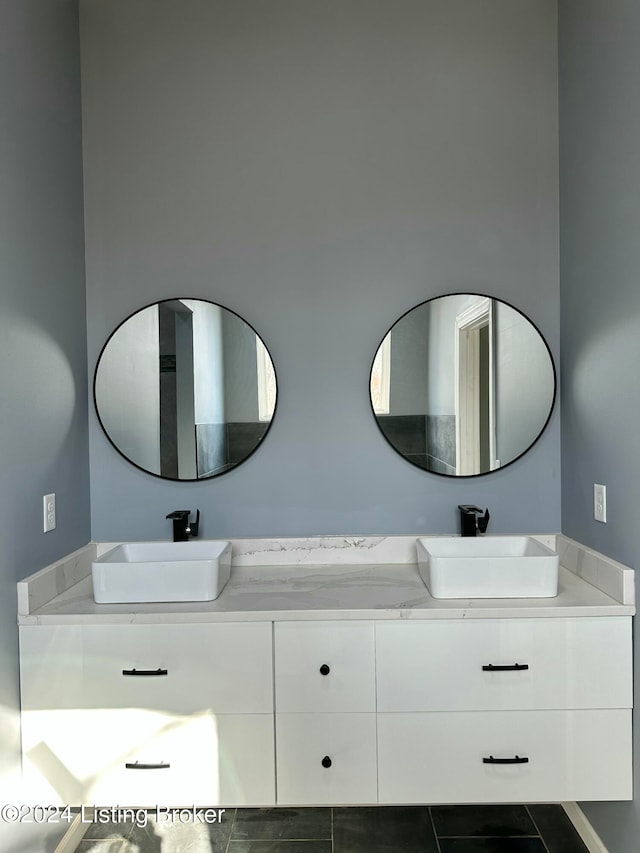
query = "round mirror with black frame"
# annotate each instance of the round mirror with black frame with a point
(185, 389)
(462, 385)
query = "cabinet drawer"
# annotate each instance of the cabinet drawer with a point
(347, 741)
(226, 668)
(324, 666)
(230, 764)
(494, 664)
(143, 758)
(442, 758)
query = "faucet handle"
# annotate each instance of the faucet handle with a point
(194, 526)
(483, 521)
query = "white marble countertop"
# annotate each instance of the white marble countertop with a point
(294, 592)
(329, 577)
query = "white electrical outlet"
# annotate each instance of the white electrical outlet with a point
(49, 512)
(600, 502)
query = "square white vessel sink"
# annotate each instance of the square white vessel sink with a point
(487, 567)
(162, 571)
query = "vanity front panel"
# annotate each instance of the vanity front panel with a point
(226, 668)
(146, 715)
(493, 664)
(504, 757)
(220, 760)
(146, 758)
(326, 759)
(325, 666)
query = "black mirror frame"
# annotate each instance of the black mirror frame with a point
(135, 464)
(542, 429)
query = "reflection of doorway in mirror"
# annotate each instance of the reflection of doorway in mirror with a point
(177, 402)
(475, 389)
(266, 382)
(380, 385)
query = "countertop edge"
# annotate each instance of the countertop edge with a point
(329, 616)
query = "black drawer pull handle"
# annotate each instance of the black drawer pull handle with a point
(326, 761)
(135, 765)
(514, 667)
(145, 671)
(515, 760)
(325, 669)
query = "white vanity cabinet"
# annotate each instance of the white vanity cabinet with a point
(329, 712)
(325, 712)
(176, 714)
(503, 710)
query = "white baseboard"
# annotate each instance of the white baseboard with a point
(584, 829)
(73, 836)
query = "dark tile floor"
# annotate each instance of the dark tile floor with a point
(397, 829)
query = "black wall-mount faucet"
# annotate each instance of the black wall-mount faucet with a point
(472, 520)
(182, 528)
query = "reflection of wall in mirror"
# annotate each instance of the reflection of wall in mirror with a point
(128, 388)
(403, 423)
(228, 426)
(244, 427)
(241, 374)
(524, 382)
(409, 386)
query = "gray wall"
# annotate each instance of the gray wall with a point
(320, 168)
(43, 376)
(600, 263)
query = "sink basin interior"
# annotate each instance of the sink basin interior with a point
(162, 571)
(487, 567)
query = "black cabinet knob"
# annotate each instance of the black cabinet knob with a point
(326, 761)
(325, 669)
